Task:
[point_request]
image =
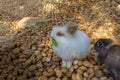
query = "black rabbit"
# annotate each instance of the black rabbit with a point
(109, 54)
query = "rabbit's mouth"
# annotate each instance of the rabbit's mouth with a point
(54, 42)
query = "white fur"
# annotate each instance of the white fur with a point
(70, 47)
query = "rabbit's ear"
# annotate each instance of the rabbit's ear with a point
(72, 27)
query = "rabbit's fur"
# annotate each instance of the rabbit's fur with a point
(72, 44)
(109, 54)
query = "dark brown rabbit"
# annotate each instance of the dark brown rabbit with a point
(109, 54)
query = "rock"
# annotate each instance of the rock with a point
(94, 78)
(83, 68)
(91, 75)
(47, 74)
(42, 78)
(80, 63)
(16, 51)
(85, 74)
(69, 74)
(75, 66)
(99, 73)
(52, 78)
(75, 62)
(28, 62)
(79, 77)
(58, 73)
(57, 79)
(103, 78)
(73, 76)
(71, 69)
(79, 71)
(111, 78)
(87, 64)
(38, 73)
(64, 70)
(64, 78)
(32, 68)
(55, 58)
(48, 59)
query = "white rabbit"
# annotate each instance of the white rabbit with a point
(70, 43)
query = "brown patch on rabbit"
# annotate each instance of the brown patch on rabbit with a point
(72, 27)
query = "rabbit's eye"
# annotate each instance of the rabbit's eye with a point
(60, 34)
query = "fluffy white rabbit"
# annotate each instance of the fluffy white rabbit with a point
(70, 43)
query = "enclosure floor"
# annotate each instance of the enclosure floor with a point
(26, 53)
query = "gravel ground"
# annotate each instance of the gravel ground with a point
(25, 50)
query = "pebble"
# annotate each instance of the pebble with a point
(55, 58)
(64, 70)
(99, 73)
(32, 68)
(16, 51)
(75, 62)
(103, 78)
(48, 59)
(85, 74)
(58, 73)
(42, 78)
(79, 71)
(94, 78)
(87, 64)
(47, 74)
(69, 74)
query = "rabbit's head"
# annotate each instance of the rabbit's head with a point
(62, 33)
(102, 43)
(101, 47)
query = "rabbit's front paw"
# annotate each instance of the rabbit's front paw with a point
(64, 64)
(69, 64)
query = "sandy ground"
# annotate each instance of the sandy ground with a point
(19, 48)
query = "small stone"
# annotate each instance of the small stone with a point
(75, 66)
(94, 78)
(96, 67)
(99, 73)
(83, 68)
(65, 78)
(79, 77)
(103, 78)
(57, 79)
(55, 58)
(28, 62)
(79, 71)
(75, 62)
(91, 75)
(80, 63)
(48, 59)
(32, 68)
(45, 73)
(42, 78)
(64, 70)
(16, 51)
(85, 74)
(52, 78)
(87, 64)
(71, 69)
(58, 73)
(111, 78)
(73, 76)
(38, 73)
(23, 56)
(69, 74)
